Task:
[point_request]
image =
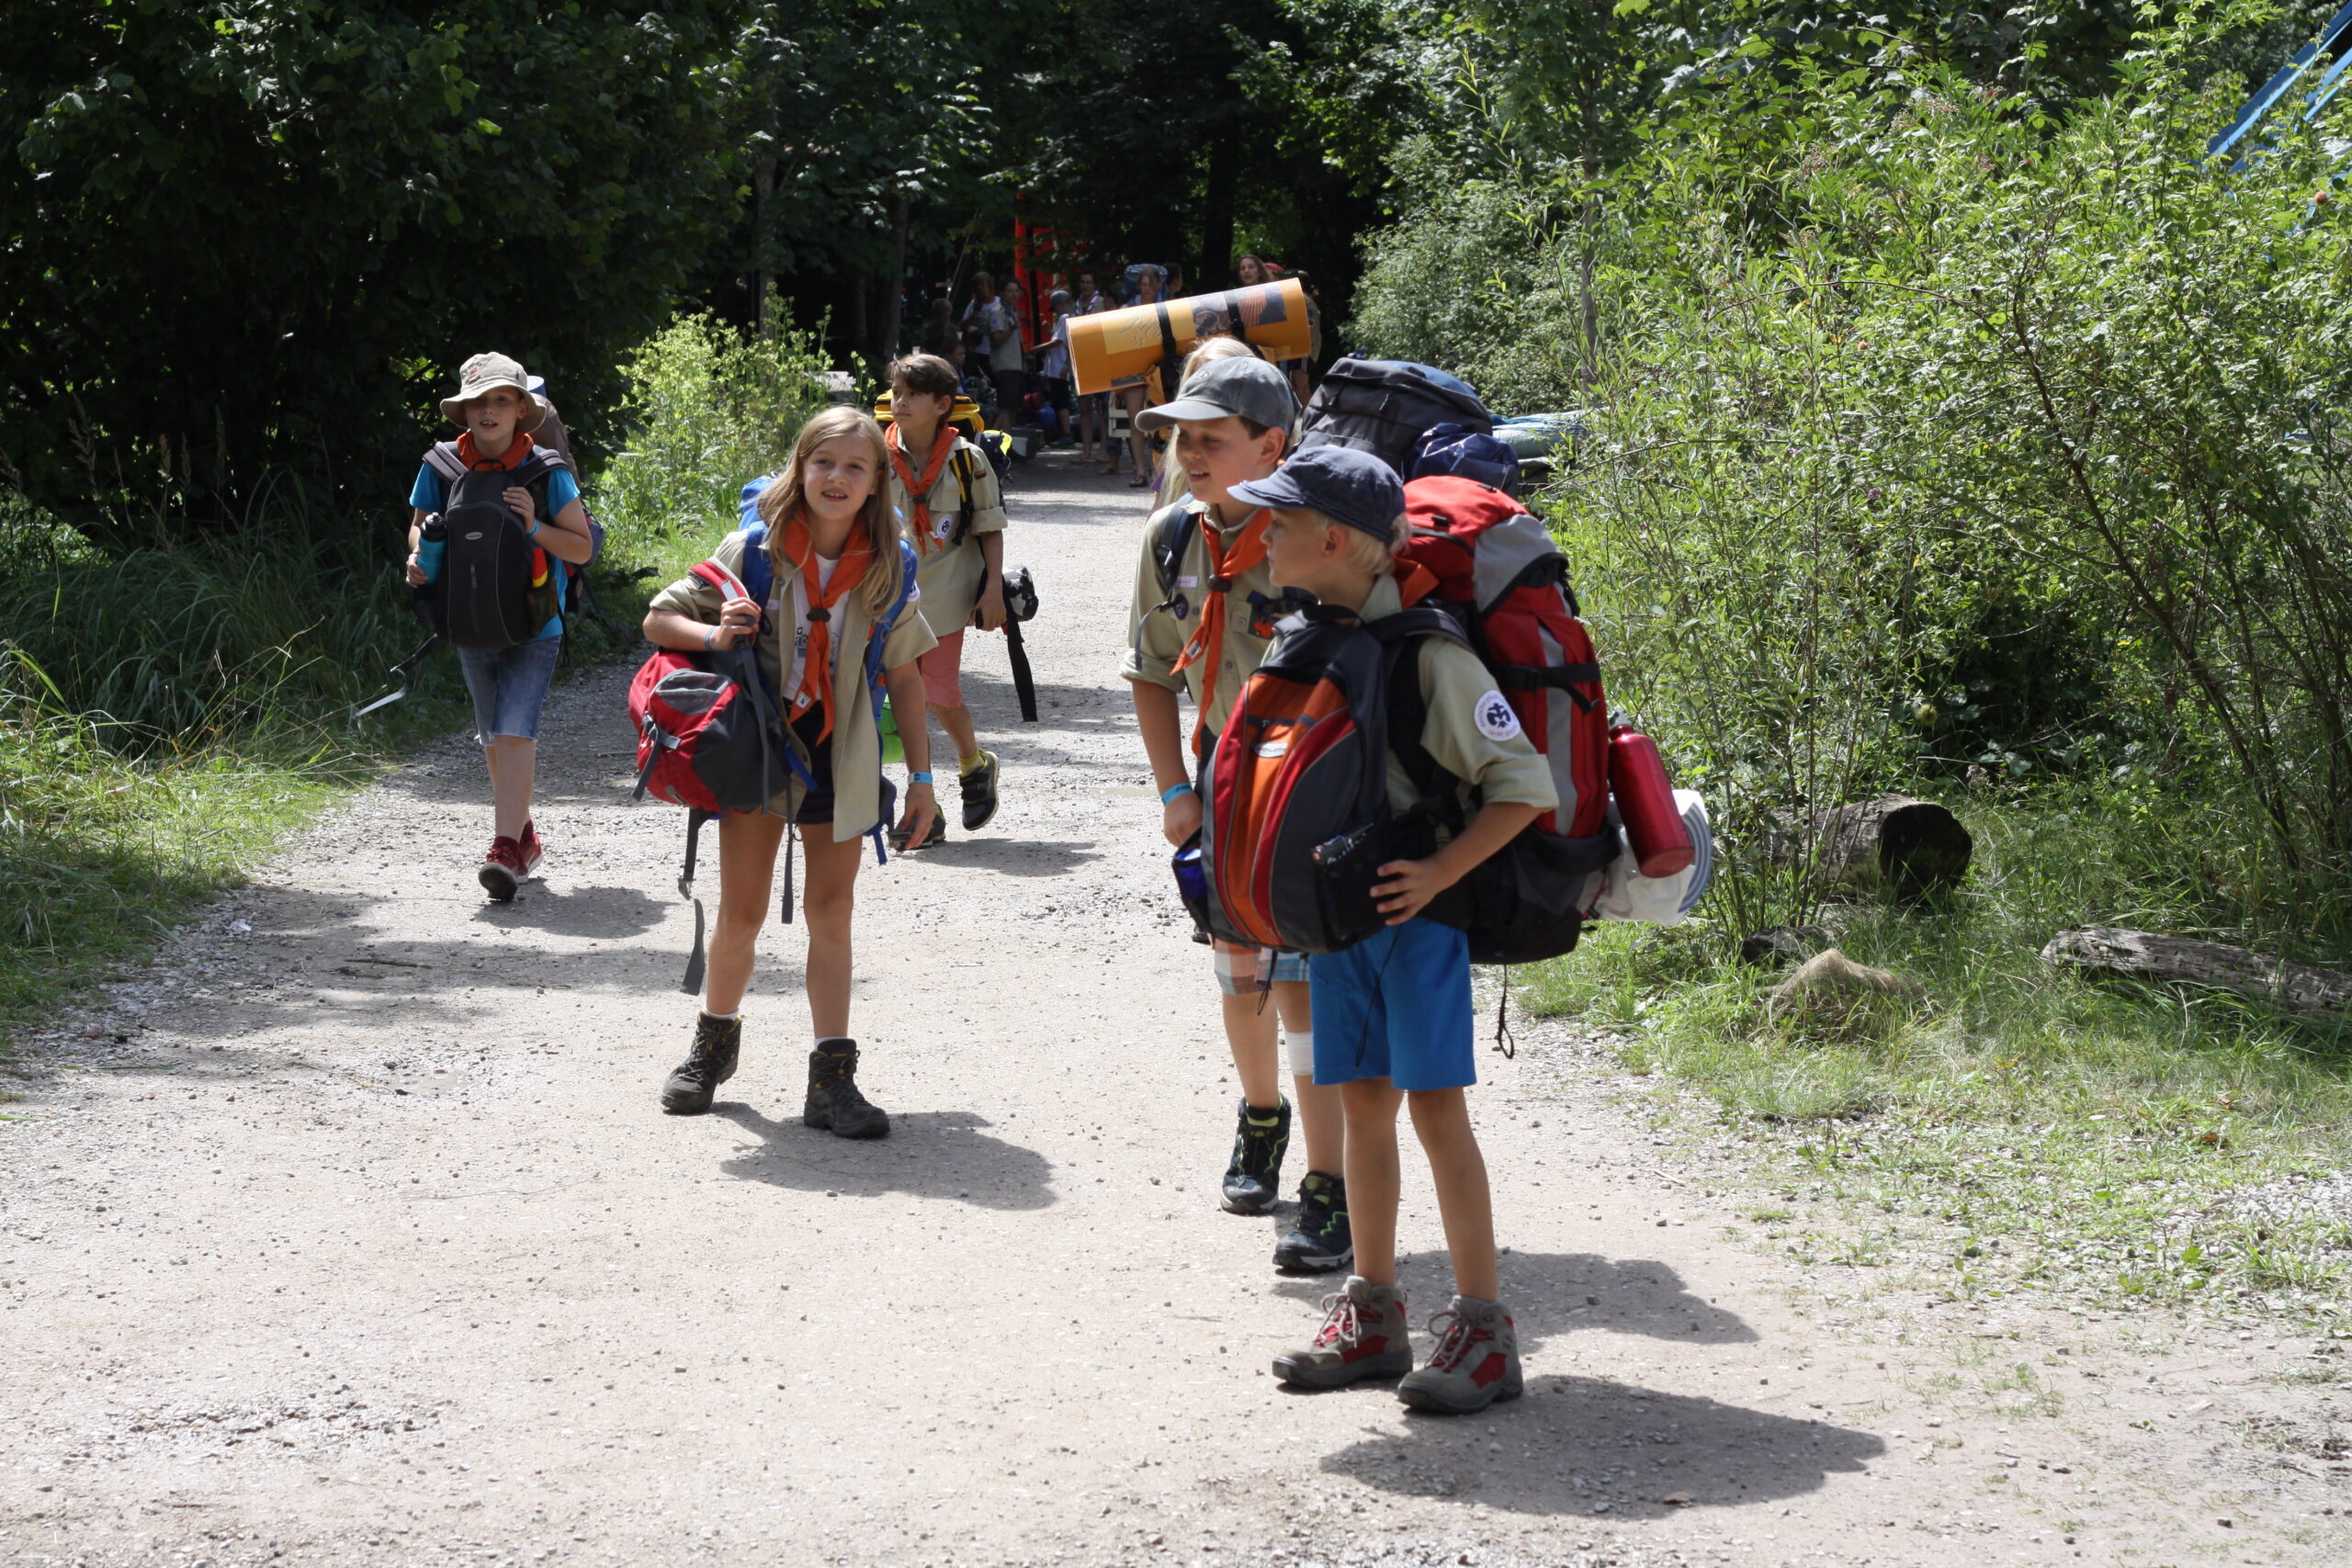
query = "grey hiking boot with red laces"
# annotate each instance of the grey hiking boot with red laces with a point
(1476, 1364)
(1364, 1335)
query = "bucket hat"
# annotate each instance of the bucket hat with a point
(486, 373)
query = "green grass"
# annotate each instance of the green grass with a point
(169, 713)
(2026, 1131)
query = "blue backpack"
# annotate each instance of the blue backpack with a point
(1386, 407)
(1450, 449)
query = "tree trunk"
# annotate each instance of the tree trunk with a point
(763, 187)
(1217, 215)
(1909, 847)
(2173, 960)
(886, 336)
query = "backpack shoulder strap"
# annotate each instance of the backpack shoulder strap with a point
(1170, 537)
(888, 622)
(759, 569)
(1401, 636)
(959, 460)
(443, 459)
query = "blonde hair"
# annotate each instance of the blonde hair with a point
(1171, 484)
(877, 520)
(1375, 557)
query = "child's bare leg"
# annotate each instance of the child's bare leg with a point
(747, 847)
(1441, 1120)
(1249, 1023)
(1371, 1107)
(828, 902)
(958, 722)
(514, 764)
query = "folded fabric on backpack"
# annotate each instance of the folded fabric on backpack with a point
(1661, 900)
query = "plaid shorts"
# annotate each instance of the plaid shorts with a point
(1243, 970)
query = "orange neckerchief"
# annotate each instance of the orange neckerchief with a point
(941, 445)
(1208, 638)
(1415, 582)
(817, 667)
(517, 450)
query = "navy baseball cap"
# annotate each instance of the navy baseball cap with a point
(1345, 485)
(1250, 387)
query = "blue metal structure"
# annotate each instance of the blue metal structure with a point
(2329, 57)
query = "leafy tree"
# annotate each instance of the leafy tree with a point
(250, 237)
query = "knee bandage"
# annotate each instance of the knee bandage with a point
(1298, 1044)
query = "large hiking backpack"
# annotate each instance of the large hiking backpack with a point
(1385, 406)
(496, 588)
(1504, 581)
(1295, 819)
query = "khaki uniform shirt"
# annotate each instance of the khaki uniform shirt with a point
(1471, 731)
(1156, 637)
(951, 578)
(857, 743)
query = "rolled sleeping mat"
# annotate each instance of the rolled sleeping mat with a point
(1119, 348)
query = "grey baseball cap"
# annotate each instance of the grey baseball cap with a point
(1250, 388)
(1345, 485)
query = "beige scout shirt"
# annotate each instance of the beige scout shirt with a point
(950, 578)
(858, 744)
(1156, 637)
(1471, 730)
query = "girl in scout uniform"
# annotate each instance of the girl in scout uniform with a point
(839, 564)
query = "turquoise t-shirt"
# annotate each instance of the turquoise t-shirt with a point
(431, 491)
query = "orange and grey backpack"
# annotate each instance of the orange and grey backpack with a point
(1296, 817)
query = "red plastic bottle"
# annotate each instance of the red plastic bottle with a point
(1644, 798)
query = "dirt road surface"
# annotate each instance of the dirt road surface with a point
(350, 1233)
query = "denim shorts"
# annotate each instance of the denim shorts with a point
(508, 686)
(1395, 1006)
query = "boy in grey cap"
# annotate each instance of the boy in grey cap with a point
(1202, 630)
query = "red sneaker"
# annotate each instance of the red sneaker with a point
(532, 850)
(501, 869)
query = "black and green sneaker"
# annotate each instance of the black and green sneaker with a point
(978, 788)
(1253, 1180)
(719, 1043)
(1320, 1242)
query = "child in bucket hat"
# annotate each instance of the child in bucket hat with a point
(496, 413)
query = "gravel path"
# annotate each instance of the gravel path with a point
(349, 1233)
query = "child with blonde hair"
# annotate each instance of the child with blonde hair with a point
(840, 576)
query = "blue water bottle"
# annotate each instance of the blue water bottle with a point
(431, 541)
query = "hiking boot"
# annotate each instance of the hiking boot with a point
(532, 850)
(1253, 1180)
(1320, 1242)
(1476, 1364)
(979, 792)
(718, 1042)
(502, 870)
(1364, 1335)
(833, 1099)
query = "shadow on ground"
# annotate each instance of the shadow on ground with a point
(933, 1154)
(1590, 1446)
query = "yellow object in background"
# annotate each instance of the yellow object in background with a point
(1119, 348)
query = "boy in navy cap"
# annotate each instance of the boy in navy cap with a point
(1392, 1014)
(1202, 630)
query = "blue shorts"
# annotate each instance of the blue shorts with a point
(1395, 1006)
(508, 685)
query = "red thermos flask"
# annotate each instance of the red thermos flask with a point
(1645, 804)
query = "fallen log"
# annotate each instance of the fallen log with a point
(1906, 847)
(2302, 988)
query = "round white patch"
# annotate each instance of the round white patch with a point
(1496, 719)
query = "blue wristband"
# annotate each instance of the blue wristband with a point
(1167, 797)
(919, 778)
